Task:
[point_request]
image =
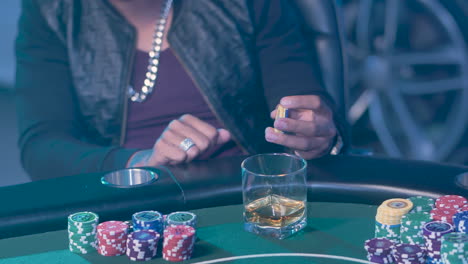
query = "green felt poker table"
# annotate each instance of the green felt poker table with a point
(344, 192)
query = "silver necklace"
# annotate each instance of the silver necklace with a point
(152, 73)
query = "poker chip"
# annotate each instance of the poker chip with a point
(379, 250)
(454, 248)
(464, 208)
(388, 259)
(148, 220)
(409, 253)
(82, 232)
(112, 238)
(430, 260)
(443, 214)
(142, 245)
(433, 233)
(460, 221)
(411, 227)
(422, 204)
(451, 202)
(420, 230)
(182, 218)
(179, 242)
(281, 112)
(391, 232)
(396, 206)
(388, 218)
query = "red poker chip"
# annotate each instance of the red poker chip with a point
(116, 245)
(111, 242)
(451, 202)
(175, 247)
(110, 252)
(178, 242)
(183, 244)
(120, 235)
(443, 214)
(189, 239)
(176, 258)
(179, 231)
(178, 251)
(112, 228)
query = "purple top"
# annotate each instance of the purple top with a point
(173, 96)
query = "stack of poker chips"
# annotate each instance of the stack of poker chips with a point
(451, 202)
(454, 248)
(443, 214)
(142, 245)
(182, 218)
(379, 250)
(388, 218)
(422, 204)
(447, 207)
(409, 254)
(112, 237)
(179, 241)
(148, 220)
(433, 233)
(411, 227)
(82, 232)
(460, 221)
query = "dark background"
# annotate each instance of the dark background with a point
(365, 139)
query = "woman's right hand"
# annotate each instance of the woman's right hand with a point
(167, 149)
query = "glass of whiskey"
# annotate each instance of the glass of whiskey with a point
(275, 194)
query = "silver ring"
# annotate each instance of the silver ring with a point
(186, 144)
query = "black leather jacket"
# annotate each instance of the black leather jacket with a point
(74, 59)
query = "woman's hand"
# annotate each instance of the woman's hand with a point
(168, 151)
(310, 129)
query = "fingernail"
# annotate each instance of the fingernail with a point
(285, 102)
(270, 136)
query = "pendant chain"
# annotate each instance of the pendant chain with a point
(154, 54)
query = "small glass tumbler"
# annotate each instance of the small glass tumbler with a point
(275, 194)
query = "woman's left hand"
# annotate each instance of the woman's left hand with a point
(310, 129)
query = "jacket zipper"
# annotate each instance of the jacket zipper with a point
(123, 127)
(236, 140)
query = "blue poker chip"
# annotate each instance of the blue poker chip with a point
(460, 221)
(148, 220)
(147, 216)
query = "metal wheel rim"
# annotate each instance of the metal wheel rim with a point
(372, 100)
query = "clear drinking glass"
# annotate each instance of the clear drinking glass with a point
(275, 194)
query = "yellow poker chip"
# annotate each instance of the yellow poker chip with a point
(391, 211)
(281, 112)
(387, 221)
(396, 206)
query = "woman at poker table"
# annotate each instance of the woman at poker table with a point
(109, 84)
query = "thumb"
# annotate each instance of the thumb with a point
(223, 136)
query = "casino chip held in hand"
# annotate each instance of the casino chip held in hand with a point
(137, 240)
(419, 230)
